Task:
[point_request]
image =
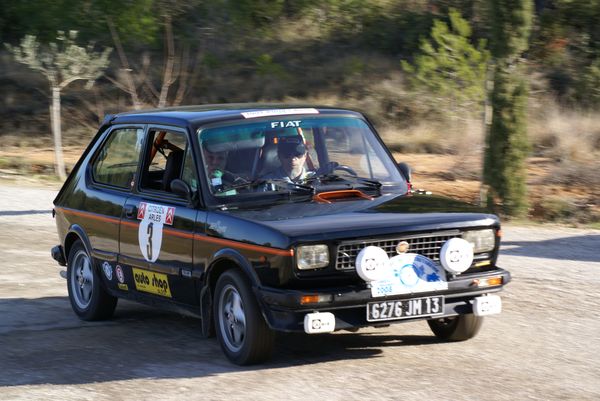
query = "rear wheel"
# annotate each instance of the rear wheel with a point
(88, 299)
(456, 328)
(241, 329)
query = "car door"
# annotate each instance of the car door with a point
(157, 227)
(98, 206)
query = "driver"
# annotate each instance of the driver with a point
(215, 167)
(291, 152)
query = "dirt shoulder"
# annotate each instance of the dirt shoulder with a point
(457, 176)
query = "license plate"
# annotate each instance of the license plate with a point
(405, 309)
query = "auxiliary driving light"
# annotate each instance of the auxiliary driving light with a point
(319, 322)
(456, 255)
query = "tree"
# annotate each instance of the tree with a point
(507, 145)
(178, 66)
(62, 63)
(449, 66)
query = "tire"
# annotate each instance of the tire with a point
(456, 328)
(241, 329)
(89, 299)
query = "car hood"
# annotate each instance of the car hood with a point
(387, 214)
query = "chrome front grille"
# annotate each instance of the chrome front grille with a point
(428, 244)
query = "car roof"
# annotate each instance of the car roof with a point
(197, 115)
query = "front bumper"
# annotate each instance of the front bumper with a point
(284, 310)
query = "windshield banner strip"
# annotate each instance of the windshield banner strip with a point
(278, 112)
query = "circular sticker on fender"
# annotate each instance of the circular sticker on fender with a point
(456, 255)
(372, 263)
(107, 268)
(153, 218)
(120, 275)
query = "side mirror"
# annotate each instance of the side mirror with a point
(181, 188)
(405, 170)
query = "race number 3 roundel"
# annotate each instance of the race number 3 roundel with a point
(456, 255)
(150, 233)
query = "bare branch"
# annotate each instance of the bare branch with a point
(125, 69)
(184, 75)
(117, 84)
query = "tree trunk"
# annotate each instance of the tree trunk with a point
(59, 164)
(168, 77)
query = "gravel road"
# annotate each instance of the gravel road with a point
(545, 344)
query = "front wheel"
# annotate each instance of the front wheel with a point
(456, 328)
(89, 299)
(241, 329)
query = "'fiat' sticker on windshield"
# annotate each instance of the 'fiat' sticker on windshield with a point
(153, 218)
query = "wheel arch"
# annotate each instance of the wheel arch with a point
(224, 260)
(75, 233)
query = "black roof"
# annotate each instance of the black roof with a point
(196, 115)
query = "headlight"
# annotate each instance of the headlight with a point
(312, 256)
(482, 240)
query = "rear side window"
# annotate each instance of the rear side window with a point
(117, 161)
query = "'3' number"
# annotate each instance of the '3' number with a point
(149, 244)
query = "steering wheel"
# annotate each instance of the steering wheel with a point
(347, 169)
(330, 167)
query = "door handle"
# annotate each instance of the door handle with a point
(129, 211)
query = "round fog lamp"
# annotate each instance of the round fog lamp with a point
(456, 255)
(372, 263)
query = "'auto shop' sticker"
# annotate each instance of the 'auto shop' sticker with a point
(151, 282)
(153, 218)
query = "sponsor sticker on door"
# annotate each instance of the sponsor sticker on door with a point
(151, 282)
(153, 218)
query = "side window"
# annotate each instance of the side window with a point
(118, 159)
(167, 158)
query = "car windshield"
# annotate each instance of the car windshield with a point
(294, 154)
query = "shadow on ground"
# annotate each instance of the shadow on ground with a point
(43, 342)
(585, 248)
(23, 212)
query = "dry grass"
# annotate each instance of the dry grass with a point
(572, 139)
(565, 135)
(445, 153)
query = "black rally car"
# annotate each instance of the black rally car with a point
(264, 218)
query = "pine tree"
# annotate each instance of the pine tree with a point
(507, 145)
(450, 66)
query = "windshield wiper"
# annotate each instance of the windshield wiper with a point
(348, 179)
(279, 183)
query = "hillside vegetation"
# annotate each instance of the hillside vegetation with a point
(417, 68)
